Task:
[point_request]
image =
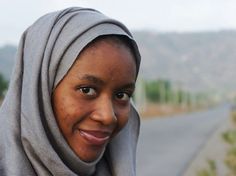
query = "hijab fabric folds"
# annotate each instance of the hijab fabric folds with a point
(30, 140)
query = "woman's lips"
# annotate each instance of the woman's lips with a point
(95, 137)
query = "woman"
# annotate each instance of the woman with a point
(67, 110)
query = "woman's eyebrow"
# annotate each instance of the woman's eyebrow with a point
(92, 78)
(99, 81)
(129, 86)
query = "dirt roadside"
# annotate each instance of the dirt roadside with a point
(215, 149)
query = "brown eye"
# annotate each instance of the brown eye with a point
(122, 96)
(88, 91)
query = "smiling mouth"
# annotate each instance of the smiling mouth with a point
(95, 137)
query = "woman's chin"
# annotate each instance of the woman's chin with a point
(90, 155)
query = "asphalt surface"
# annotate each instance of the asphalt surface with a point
(168, 145)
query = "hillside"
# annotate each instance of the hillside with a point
(195, 61)
(7, 54)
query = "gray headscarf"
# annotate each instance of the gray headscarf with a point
(30, 140)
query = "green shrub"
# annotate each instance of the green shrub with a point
(3, 86)
(210, 171)
(229, 136)
(158, 91)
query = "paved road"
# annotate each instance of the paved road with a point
(167, 146)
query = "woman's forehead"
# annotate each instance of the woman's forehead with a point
(117, 41)
(106, 59)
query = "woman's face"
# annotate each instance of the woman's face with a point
(92, 102)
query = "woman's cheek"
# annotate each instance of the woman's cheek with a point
(122, 118)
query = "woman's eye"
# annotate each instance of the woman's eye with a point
(123, 96)
(88, 90)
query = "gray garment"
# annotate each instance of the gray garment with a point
(30, 140)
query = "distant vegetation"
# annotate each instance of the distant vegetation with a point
(160, 97)
(3, 86)
(162, 91)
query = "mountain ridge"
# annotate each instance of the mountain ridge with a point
(195, 61)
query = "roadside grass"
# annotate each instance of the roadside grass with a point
(209, 171)
(229, 137)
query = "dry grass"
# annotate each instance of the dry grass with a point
(162, 110)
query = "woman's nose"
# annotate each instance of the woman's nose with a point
(105, 112)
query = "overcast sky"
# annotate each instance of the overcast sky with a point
(157, 15)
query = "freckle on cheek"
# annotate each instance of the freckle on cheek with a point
(61, 108)
(81, 108)
(65, 117)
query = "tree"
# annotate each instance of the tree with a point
(3, 85)
(158, 91)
